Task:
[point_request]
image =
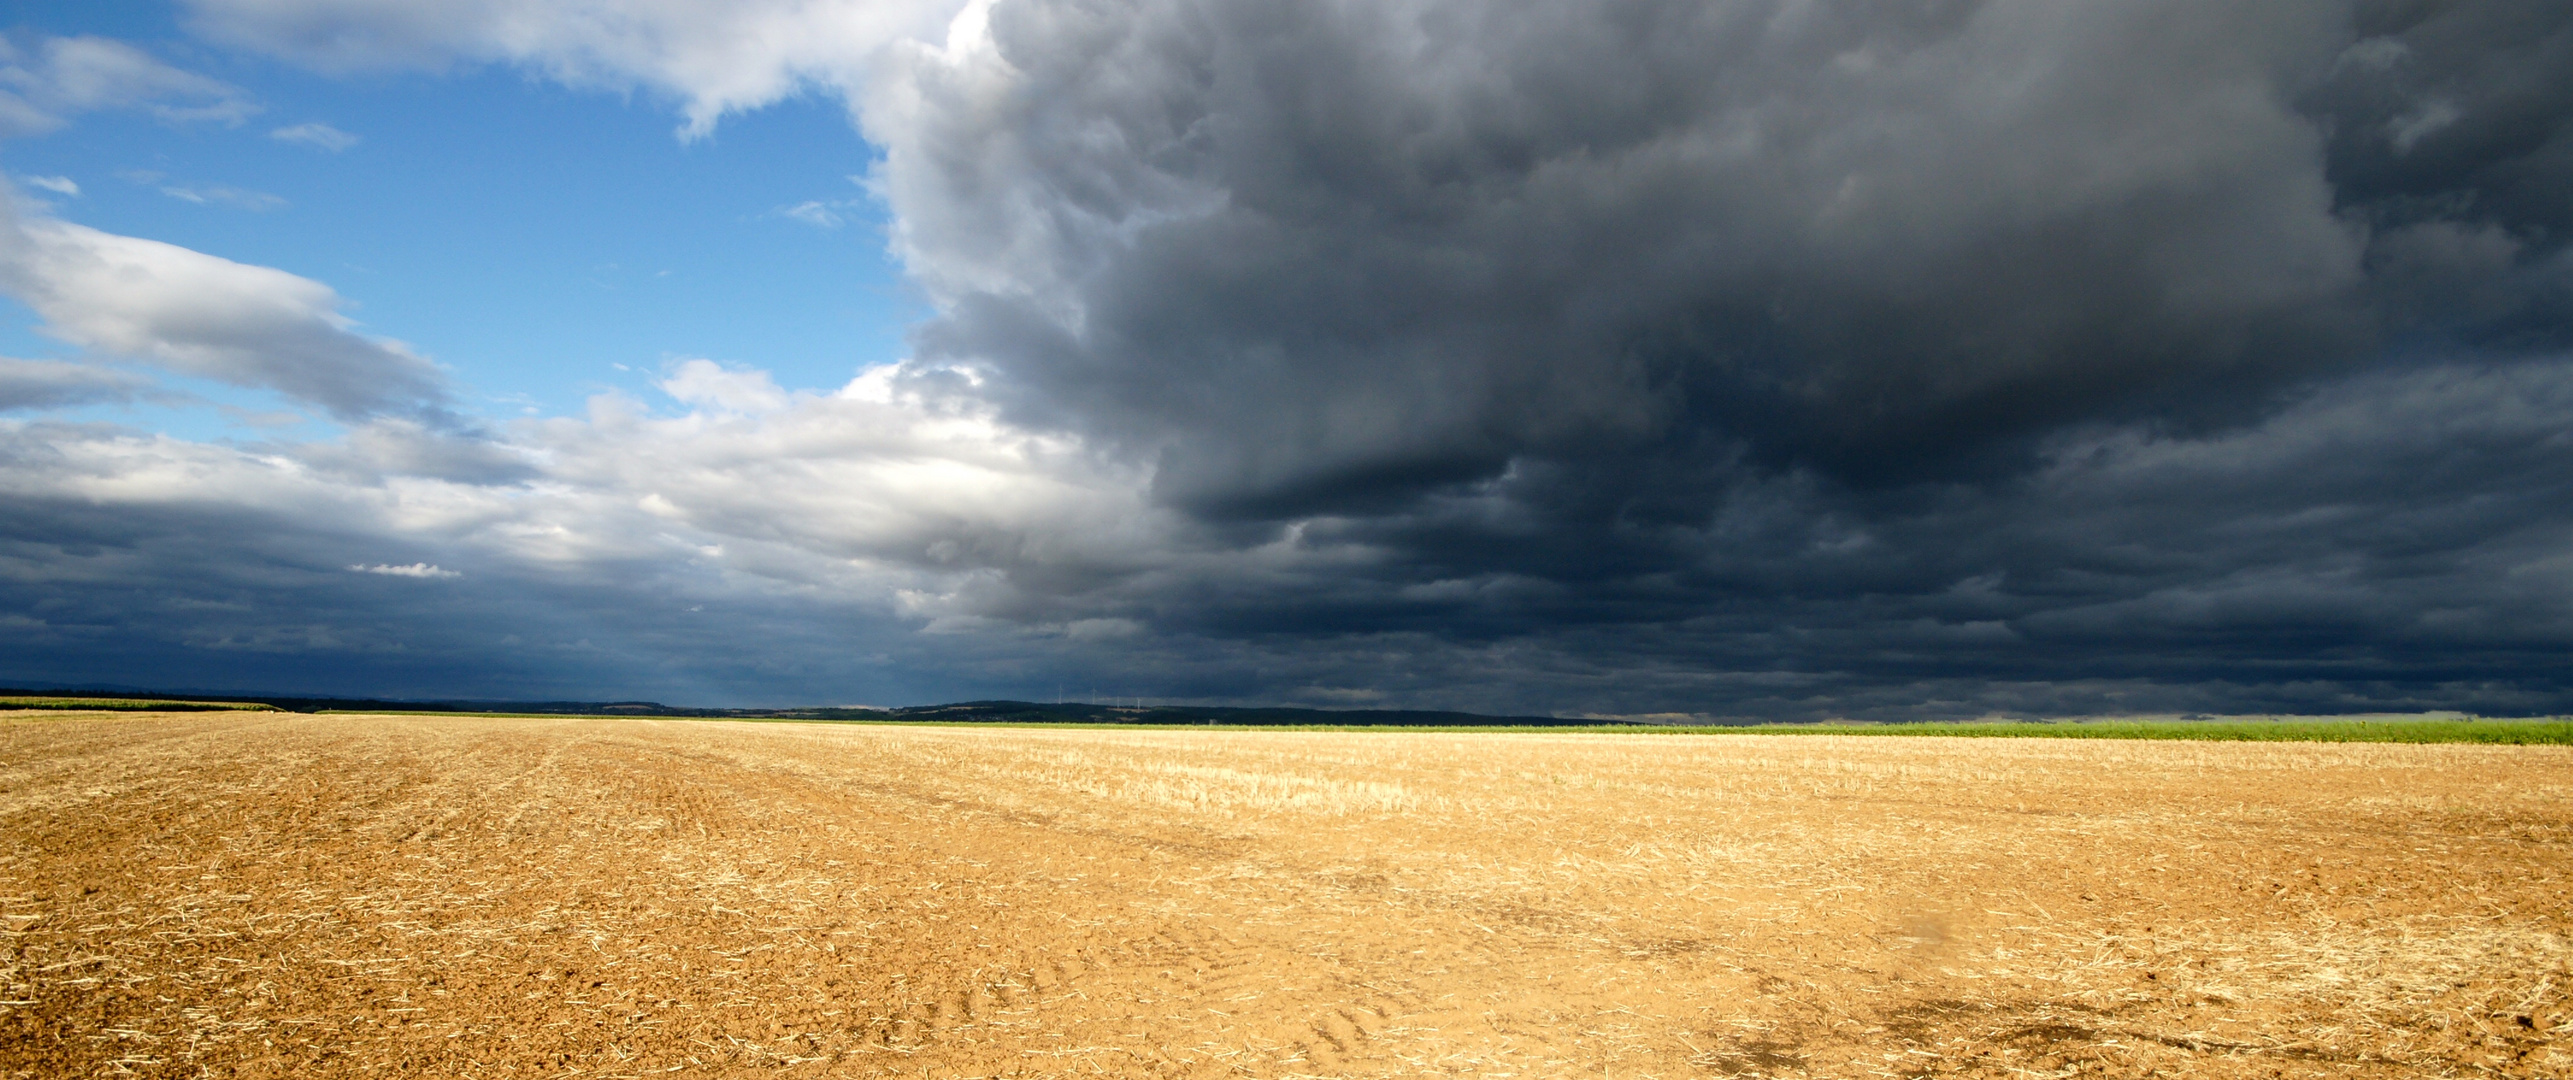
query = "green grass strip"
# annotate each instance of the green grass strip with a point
(88, 704)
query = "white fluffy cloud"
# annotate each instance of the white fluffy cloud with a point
(713, 58)
(891, 472)
(207, 316)
(889, 497)
(709, 384)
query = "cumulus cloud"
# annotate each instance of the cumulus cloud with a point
(46, 81)
(318, 135)
(892, 470)
(709, 384)
(206, 316)
(839, 523)
(1360, 252)
(714, 59)
(1745, 358)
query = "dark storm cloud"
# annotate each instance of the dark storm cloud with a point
(2451, 139)
(2396, 539)
(1324, 253)
(1859, 344)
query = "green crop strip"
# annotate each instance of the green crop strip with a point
(130, 705)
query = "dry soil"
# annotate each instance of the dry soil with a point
(272, 895)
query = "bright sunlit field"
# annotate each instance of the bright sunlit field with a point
(274, 894)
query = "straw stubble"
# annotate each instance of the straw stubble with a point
(266, 894)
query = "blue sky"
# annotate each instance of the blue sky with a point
(530, 237)
(1750, 359)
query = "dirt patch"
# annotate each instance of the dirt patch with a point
(264, 895)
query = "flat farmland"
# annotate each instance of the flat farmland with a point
(272, 895)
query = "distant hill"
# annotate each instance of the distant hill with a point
(977, 712)
(1023, 712)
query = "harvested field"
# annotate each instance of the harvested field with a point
(273, 894)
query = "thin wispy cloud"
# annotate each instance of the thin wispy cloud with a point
(318, 135)
(413, 570)
(817, 213)
(220, 195)
(46, 82)
(59, 185)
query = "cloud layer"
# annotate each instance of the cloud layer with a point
(1749, 358)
